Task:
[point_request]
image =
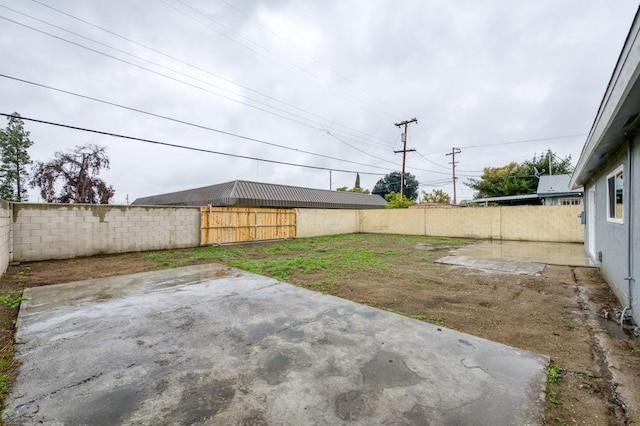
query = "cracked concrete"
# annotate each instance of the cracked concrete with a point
(213, 345)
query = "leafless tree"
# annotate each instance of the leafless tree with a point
(77, 172)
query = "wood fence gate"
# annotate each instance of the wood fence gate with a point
(221, 225)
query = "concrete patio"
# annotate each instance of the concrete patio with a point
(214, 345)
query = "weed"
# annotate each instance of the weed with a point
(6, 369)
(561, 422)
(12, 301)
(635, 351)
(426, 318)
(554, 374)
(323, 286)
(21, 273)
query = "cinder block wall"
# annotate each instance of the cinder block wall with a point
(5, 235)
(542, 223)
(318, 222)
(526, 223)
(62, 231)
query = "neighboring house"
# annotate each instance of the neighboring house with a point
(510, 200)
(555, 190)
(240, 193)
(608, 170)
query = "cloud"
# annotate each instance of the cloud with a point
(472, 73)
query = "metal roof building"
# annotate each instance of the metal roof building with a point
(556, 185)
(240, 193)
(551, 190)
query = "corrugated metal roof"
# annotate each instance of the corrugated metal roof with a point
(555, 185)
(506, 198)
(242, 193)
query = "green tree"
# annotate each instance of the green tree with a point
(518, 178)
(354, 189)
(436, 196)
(77, 171)
(397, 201)
(391, 183)
(14, 159)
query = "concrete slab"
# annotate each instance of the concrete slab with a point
(570, 254)
(213, 345)
(508, 266)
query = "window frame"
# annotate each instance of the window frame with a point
(618, 170)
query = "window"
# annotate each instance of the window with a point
(570, 201)
(615, 196)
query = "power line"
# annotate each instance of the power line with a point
(364, 105)
(357, 149)
(200, 80)
(432, 162)
(181, 81)
(159, 52)
(309, 55)
(190, 148)
(513, 142)
(199, 126)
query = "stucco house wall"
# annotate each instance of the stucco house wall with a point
(614, 245)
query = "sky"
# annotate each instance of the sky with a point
(319, 84)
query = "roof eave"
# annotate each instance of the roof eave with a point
(610, 127)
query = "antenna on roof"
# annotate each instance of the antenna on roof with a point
(536, 173)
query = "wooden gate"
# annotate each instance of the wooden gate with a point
(221, 225)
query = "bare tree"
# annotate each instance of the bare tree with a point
(77, 171)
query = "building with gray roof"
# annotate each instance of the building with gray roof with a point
(240, 193)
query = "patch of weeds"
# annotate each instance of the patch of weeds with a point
(436, 320)
(164, 259)
(635, 352)
(323, 286)
(6, 369)
(21, 273)
(12, 301)
(561, 422)
(554, 374)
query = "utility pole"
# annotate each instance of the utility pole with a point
(330, 183)
(549, 154)
(404, 150)
(453, 153)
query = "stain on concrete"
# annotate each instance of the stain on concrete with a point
(280, 363)
(387, 370)
(464, 342)
(255, 418)
(106, 409)
(203, 398)
(276, 368)
(420, 416)
(351, 405)
(257, 332)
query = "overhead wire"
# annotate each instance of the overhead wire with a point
(575, 135)
(166, 55)
(190, 148)
(199, 126)
(195, 78)
(308, 55)
(182, 81)
(281, 60)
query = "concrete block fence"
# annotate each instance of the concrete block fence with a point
(32, 232)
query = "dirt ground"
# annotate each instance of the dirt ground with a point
(560, 313)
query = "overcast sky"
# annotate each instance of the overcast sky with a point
(326, 77)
